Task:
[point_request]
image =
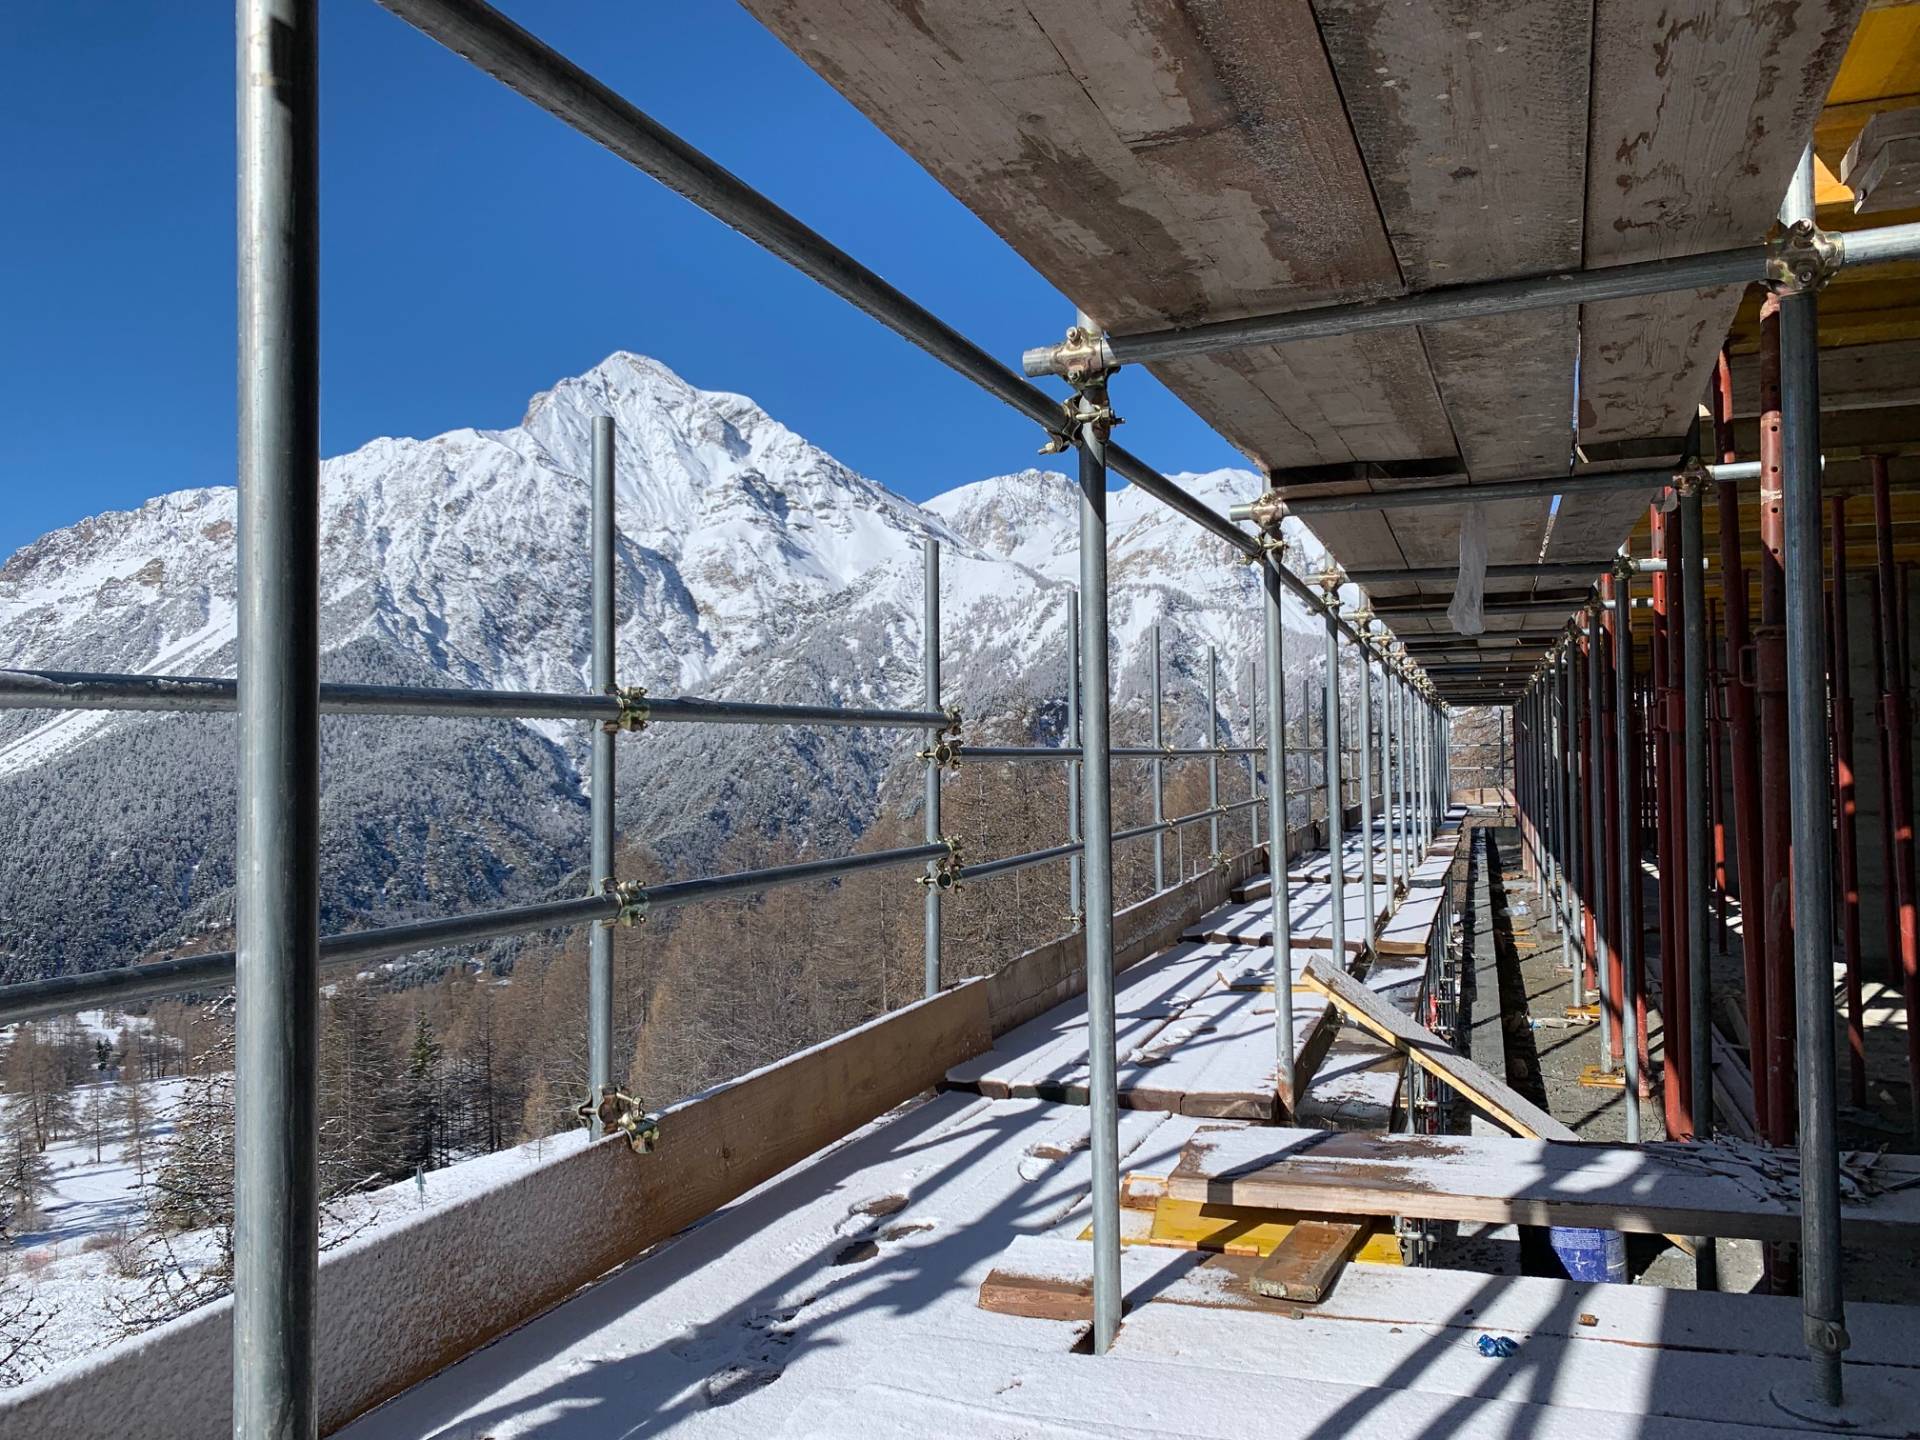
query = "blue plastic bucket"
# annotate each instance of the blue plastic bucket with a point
(1587, 1254)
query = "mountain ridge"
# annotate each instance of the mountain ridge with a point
(750, 564)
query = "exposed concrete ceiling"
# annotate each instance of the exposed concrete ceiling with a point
(1164, 162)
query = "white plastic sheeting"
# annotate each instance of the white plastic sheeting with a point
(1470, 587)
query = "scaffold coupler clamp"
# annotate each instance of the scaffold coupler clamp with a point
(1330, 580)
(1219, 861)
(633, 709)
(619, 1111)
(1076, 921)
(1625, 567)
(1084, 362)
(1803, 258)
(945, 872)
(1691, 479)
(632, 896)
(943, 754)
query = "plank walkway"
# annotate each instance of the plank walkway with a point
(1721, 1189)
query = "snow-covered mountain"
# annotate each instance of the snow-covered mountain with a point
(751, 565)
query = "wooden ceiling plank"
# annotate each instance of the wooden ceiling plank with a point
(1474, 133)
(1700, 111)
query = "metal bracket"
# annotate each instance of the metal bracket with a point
(633, 709)
(632, 896)
(1624, 568)
(620, 1111)
(1083, 355)
(1827, 1337)
(1220, 862)
(944, 754)
(1330, 580)
(1075, 920)
(1692, 480)
(945, 874)
(1801, 259)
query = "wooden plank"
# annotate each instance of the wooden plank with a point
(1499, 1100)
(1659, 1188)
(1159, 163)
(1699, 114)
(1307, 1264)
(1425, 86)
(1012, 1291)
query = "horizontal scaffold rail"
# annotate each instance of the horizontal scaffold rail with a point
(72, 690)
(1746, 265)
(1031, 858)
(67, 994)
(1119, 752)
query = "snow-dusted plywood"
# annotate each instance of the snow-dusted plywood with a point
(1725, 1188)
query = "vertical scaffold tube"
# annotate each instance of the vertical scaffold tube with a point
(1218, 857)
(1812, 828)
(1096, 810)
(1075, 910)
(1597, 863)
(277, 911)
(1394, 876)
(930, 676)
(1159, 778)
(1897, 739)
(1743, 747)
(1253, 738)
(1574, 754)
(1629, 821)
(1365, 721)
(1846, 800)
(1693, 775)
(1336, 802)
(601, 761)
(1273, 634)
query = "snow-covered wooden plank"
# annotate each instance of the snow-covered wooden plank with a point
(1409, 930)
(1216, 1060)
(1660, 1188)
(1493, 1095)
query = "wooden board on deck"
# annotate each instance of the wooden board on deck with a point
(1306, 1265)
(1659, 1188)
(1498, 1099)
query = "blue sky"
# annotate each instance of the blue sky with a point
(474, 250)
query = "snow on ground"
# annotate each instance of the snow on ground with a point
(80, 1291)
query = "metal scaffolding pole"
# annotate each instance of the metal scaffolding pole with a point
(1578, 885)
(1213, 760)
(1820, 1259)
(1365, 721)
(1273, 634)
(930, 678)
(1846, 805)
(1693, 615)
(1253, 738)
(1336, 801)
(276, 1209)
(1896, 733)
(1597, 845)
(1408, 828)
(1096, 805)
(1629, 826)
(1751, 264)
(601, 760)
(1075, 910)
(1392, 838)
(1159, 778)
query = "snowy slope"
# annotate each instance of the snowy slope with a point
(751, 564)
